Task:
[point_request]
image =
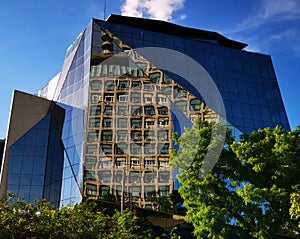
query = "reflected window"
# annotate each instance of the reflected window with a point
(195, 104)
(107, 122)
(104, 176)
(91, 190)
(135, 149)
(91, 149)
(121, 148)
(122, 135)
(154, 77)
(122, 123)
(94, 123)
(122, 110)
(163, 148)
(109, 85)
(135, 97)
(163, 177)
(164, 191)
(107, 135)
(136, 110)
(106, 148)
(96, 85)
(95, 110)
(136, 123)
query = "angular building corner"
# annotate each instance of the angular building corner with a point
(104, 124)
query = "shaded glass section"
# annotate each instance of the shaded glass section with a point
(246, 80)
(36, 160)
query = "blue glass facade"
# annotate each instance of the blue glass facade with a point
(246, 80)
(35, 162)
(110, 115)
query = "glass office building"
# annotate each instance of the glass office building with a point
(109, 115)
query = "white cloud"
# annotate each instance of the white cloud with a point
(156, 9)
(269, 12)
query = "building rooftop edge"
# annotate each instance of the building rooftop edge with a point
(175, 30)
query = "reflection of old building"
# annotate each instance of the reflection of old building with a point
(114, 112)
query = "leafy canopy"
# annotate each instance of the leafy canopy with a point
(250, 188)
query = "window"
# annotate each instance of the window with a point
(92, 136)
(95, 110)
(147, 98)
(91, 149)
(104, 190)
(163, 135)
(96, 85)
(161, 100)
(109, 98)
(135, 149)
(106, 148)
(167, 91)
(96, 98)
(167, 79)
(121, 162)
(107, 135)
(104, 176)
(119, 176)
(149, 191)
(149, 177)
(163, 161)
(122, 123)
(136, 123)
(91, 190)
(135, 192)
(106, 163)
(90, 175)
(163, 148)
(94, 123)
(109, 85)
(90, 162)
(195, 104)
(123, 98)
(135, 97)
(149, 110)
(181, 105)
(134, 177)
(136, 85)
(134, 163)
(149, 135)
(136, 135)
(163, 111)
(149, 148)
(107, 122)
(148, 86)
(149, 123)
(123, 85)
(149, 163)
(122, 110)
(163, 122)
(121, 148)
(122, 135)
(154, 77)
(164, 191)
(136, 110)
(163, 177)
(108, 110)
(180, 92)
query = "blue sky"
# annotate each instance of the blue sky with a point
(35, 35)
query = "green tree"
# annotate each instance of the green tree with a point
(248, 188)
(24, 220)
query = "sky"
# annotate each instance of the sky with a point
(35, 34)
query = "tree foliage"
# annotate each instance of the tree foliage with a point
(249, 188)
(21, 220)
